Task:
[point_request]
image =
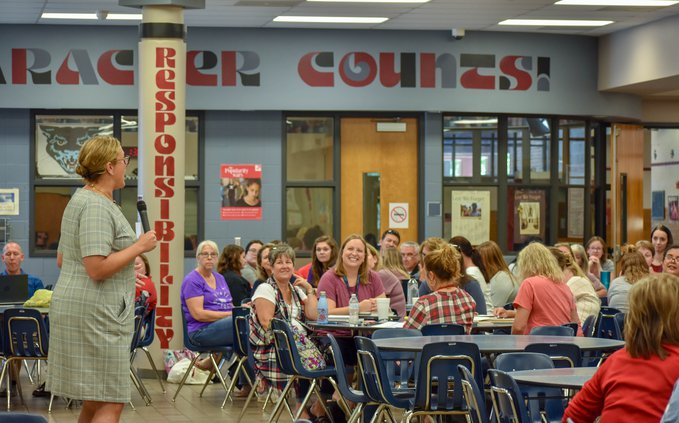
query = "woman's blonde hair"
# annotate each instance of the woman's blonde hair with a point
(493, 261)
(391, 260)
(536, 260)
(647, 245)
(206, 243)
(95, 154)
(432, 244)
(573, 266)
(376, 255)
(363, 273)
(653, 316)
(445, 264)
(633, 266)
(580, 255)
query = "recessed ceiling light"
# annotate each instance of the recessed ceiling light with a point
(46, 15)
(124, 16)
(329, 19)
(641, 3)
(372, 1)
(553, 22)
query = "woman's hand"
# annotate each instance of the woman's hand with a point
(367, 306)
(501, 312)
(302, 283)
(139, 283)
(147, 241)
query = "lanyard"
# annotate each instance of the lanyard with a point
(346, 282)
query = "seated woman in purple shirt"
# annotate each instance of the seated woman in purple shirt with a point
(207, 302)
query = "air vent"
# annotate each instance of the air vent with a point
(629, 9)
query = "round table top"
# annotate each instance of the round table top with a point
(569, 377)
(499, 343)
(484, 325)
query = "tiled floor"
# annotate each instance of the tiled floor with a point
(190, 407)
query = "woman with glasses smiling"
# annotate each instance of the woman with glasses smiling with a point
(207, 302)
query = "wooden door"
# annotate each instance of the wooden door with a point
(392, 155)
(627, 184)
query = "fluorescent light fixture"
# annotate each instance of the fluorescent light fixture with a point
(641, 3)
(475, 121)
(329, 19)
(46, 15)
(124, 16)
(371, 1)
(553, 22)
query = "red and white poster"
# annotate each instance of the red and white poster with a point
(241, 186)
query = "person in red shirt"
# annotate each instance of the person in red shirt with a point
(142, 271)
(634, 384)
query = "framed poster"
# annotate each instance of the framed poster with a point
(673, 207)
(9, 202)
(529, 222)
(470, 215)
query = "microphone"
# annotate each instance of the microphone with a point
(143, 216)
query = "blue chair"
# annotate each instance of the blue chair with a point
(438, 374)
(443, 329)
(347, 392)
(148, 335)
(211, 351)
(508, 405)
(241, 348)
(620, 320)
(562, 355)
(24, 338)
(588, 325)
(572, 325)
(476, 401)
(375, 381)
(607, 326)
(137, 335)
(21, 418)
(400, 365)
(290, 364)
(552, 331)
(544, 403)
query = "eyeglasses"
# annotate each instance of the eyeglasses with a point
(672, 259)
(125, 160)
(206, 255)
(595, 248)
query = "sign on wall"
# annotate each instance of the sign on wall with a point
(470, 215)
(241, 186)
(398, 215)
(9, 202)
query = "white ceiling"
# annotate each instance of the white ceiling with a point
(476, 15)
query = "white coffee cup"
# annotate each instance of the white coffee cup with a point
(382, 308)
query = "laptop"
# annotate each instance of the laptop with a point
(13, 289)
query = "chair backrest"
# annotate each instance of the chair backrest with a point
(149, 324)
(139, 314)
(25, 333)
(572, 325)
(21, 418)
(399, 365)
(508, 405)
(375, 381)
(475, 400)
(510, 362)
(552, 331)
(438, 369)
(241, 330)
(562, 355)
(607, 327)
(620, 320)
(286, 349)
(588, 325)
(343, 383)
(443, 329)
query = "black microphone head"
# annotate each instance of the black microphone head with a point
(141, 205)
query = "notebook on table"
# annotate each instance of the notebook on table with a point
(13, 289)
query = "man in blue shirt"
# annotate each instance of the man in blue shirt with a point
(13, 256)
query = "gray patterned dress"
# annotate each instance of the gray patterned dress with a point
(91, 322)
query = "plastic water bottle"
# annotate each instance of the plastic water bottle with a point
(322, 308)
(353, 310)
(413, 291)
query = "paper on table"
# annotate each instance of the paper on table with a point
(388, 325)
(338, 317)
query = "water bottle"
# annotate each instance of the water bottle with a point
(353, 310)
(413, 291)
(322, 309)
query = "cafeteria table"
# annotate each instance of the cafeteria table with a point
(567, 378)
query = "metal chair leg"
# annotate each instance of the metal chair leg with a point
(186, 375)
(153, 366)
(282, 399)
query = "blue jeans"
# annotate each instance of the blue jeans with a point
(216, 334)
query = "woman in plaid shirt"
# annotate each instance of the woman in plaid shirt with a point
(447, 303)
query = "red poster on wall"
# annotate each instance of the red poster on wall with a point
(241, 187)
